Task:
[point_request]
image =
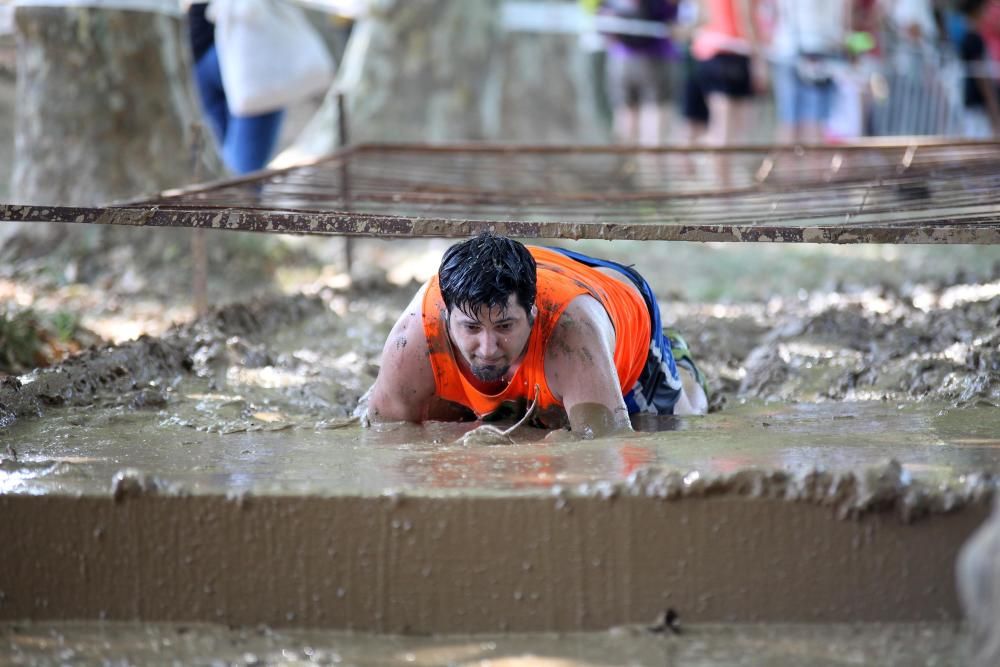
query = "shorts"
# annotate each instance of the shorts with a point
(693, 106)
(800, 101)
(659, 385)
(726, 73)
(635, 79)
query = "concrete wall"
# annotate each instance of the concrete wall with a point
(473, 563)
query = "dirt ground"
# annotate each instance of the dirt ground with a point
(864, 323)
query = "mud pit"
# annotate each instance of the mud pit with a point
(214, 474)
(888, 645)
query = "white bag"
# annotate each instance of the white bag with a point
(269, 54)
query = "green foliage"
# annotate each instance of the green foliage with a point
(19, 341)
(64, 325)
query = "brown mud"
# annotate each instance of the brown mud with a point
(928, 342)
(855, 426)
(888, 645)
(143, 368)
(923, 342)
(466, 561)
(798, 381)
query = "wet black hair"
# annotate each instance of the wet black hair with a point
(485, 271)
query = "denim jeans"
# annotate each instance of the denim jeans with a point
(799, 101)
(246, 142)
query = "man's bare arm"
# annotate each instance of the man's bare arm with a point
(580, 369)
(405, 384)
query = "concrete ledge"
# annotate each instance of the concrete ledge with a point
(470, 564)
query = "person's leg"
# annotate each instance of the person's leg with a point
(785, 84)
(692, 399)
(694, 109)
(816, 100)
(652, 98)
(602, 101)
(720, 119)
(671, 382)
(718, 135)
(738, 86)
(250, 141)
(625, 121)
(650, 120)
(727, 79)
(626, 124)
(742, 117)
(208, 79)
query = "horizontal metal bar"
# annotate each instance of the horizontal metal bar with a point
(867, 144)
(983, 230)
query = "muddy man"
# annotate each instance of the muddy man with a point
(503, 322)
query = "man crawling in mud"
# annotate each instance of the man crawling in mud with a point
(503, 325)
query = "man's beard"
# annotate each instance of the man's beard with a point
(489, 372)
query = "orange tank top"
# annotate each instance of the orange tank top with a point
(559, 280)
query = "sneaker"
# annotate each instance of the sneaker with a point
(682, 357)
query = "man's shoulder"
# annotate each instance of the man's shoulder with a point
(410, 324)
(584, 320)
(405, 381)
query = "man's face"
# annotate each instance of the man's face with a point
(491, 340)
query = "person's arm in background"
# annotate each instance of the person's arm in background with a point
(746, 11)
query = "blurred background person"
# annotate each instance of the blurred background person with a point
(922, 72)
(914, 19)
(981, 110)
(806, 49)
(637, 71)
(693, 107)
(989, 27)
(594, 46)
(854, 84)
(728, 67)
(911, 30)
(246, 142)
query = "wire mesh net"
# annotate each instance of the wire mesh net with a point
(901, 192)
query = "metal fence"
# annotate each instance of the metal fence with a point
(916, 191)
(922, 89)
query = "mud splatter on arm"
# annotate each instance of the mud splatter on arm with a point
(580, 369)
(405, 384)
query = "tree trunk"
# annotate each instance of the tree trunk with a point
(105, 106)
(439, 70)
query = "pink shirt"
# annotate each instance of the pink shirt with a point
(722, 33)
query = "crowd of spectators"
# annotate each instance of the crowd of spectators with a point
(835, 70)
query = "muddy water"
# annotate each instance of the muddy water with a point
(258, 399)
(254, 405)
(185, 446)
(773, 645)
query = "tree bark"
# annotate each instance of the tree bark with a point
(105, 106)
(439, 70)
